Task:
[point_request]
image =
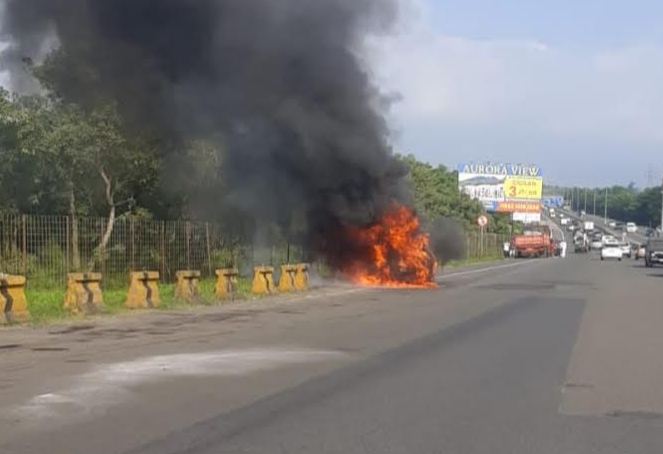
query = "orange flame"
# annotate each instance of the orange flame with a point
(395, 252)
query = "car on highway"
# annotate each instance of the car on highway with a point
(596, 244)
(631, 227)
(609, 241)
(612, 251)
(654, 252)
(580, 244)
(627, 251)
(612, 224)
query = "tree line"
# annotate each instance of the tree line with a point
(85, 159)
(624, 203)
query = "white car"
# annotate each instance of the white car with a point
(631, 227)
(610, 241)
(596, 244)
(612, 224)
(626, 250)
(612, 252)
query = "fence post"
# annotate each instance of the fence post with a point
(132, 242)
(187, 228)
(24, 243)
(162, 241)
(102, 255)
(67, 246)
(209, 253)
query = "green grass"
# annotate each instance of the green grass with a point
(474, 261)
(47, 304)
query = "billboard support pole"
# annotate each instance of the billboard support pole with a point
(481, 248)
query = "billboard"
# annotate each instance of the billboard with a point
(503, 188)
(555, 201)
(527, 218)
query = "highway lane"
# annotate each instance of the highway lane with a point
(637, 237)
(555, 356)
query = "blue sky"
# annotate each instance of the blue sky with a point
(573, 86)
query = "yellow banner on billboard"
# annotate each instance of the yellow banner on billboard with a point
(523, 188)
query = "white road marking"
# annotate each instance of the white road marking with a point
(489, 268)
(110, 384)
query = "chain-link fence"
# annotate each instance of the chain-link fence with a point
(46, 248)
(485, 245)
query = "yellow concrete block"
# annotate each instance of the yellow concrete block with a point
(186, 287)
(84, 293)
(302, 276)
(226, 283)
(263, 280)
(143, 290)
(287, 280)
(13, 303)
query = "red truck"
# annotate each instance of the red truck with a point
(535, 241)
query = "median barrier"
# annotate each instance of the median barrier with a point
(302, 276)
(13, 303)
(143, 290)
(287, 279)
(226, 283)
(84, 293)
(186, 287)
(263, 280)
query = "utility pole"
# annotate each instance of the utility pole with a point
(605, 208)
(594, 211)
(662, 207)
(585, 191)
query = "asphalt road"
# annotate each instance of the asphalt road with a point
(554, 356)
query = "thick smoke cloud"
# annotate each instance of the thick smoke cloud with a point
(278, 85)
(447, 239)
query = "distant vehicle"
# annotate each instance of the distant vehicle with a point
(612, 224)
(552, 212)
(565, 221)
(653, 252)
(535, 241)
(571, 227)
(609, 241)
(631, 227)
(640, 251)
(612, 252)
(580, 244)
(596, 244)
(588, 226)
(619, 226)
(626, 250)
(583, 213)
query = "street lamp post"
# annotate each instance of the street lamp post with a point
(662, 207)
(605, 207)
(594, 210)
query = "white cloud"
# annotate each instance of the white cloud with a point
(468, 94)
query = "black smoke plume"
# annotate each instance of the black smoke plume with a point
(278, 85)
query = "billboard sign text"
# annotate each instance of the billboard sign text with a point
(503, 188)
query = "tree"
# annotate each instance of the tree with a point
(87, 158)
(436, 193)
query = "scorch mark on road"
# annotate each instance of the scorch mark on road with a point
(110, 384)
